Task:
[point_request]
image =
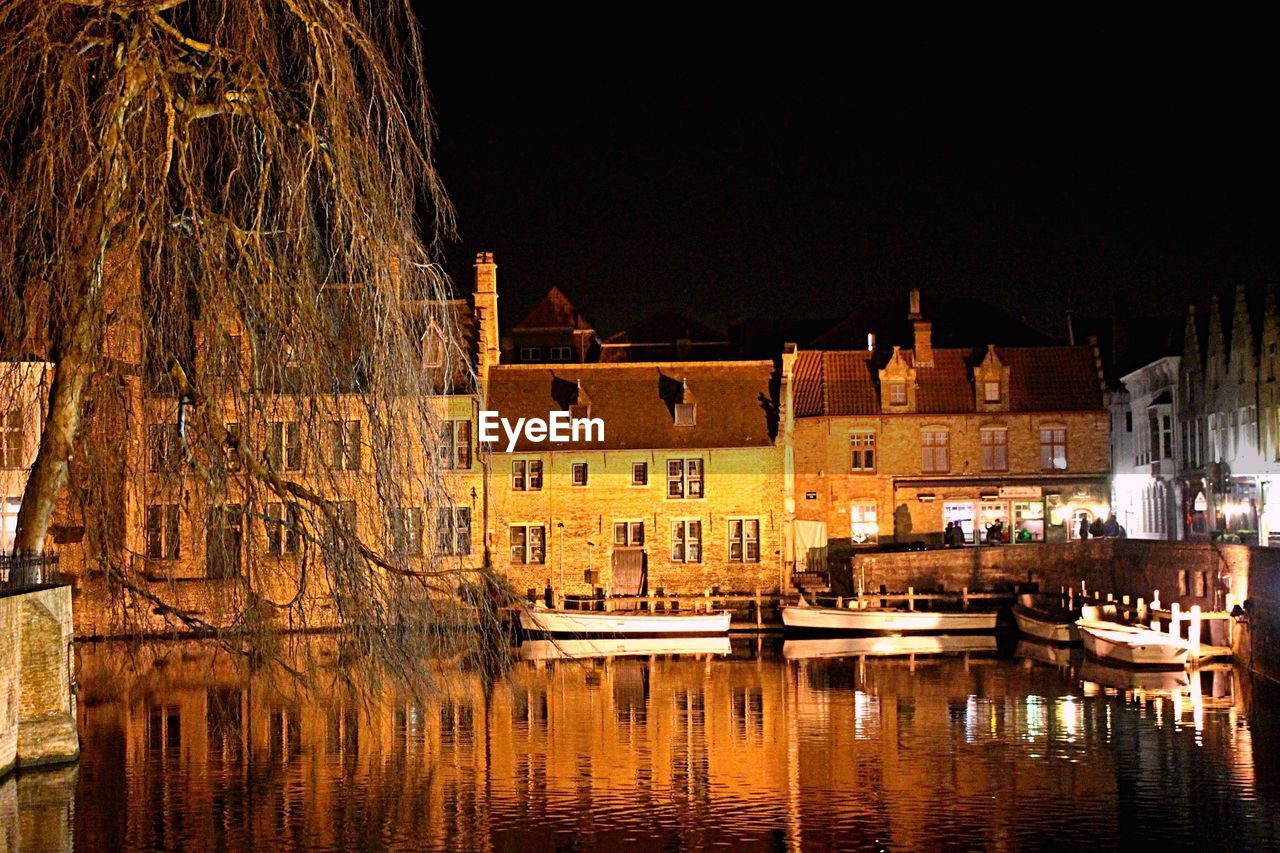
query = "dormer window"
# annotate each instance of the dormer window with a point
(684, 414)
(579, 411)
(991, 391)
(897, 393)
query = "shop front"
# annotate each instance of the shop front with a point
(1019, 511)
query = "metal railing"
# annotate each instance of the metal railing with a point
(19, 570)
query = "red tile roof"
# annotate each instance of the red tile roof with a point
(1042, 379)
(736, 402)
(555, 311)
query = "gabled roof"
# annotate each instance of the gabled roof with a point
(555, 311)
(1042, 379)
(736, 402)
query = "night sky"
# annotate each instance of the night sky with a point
(763, 169)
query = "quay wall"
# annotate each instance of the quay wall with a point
(37, 679)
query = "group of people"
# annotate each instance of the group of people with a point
(1098, 529)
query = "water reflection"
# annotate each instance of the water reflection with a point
(184, 748)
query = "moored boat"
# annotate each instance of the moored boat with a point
(884, 620)
(1132, 645)
(611, 647)
(839, 647)
(1045, 621)
(582, 623)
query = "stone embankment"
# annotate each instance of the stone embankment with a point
(37, 679)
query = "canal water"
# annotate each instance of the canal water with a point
(761, 745)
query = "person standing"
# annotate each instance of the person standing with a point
(1083, 530)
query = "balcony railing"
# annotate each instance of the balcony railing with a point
(20, 571)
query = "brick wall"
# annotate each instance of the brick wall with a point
(37, 706)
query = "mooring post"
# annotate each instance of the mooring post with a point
(911, 598)
(1193, 632)
(1071, 599)
(1142, 610)
(964, 596)
(1155, 599)
(839, 602)
(758, 615)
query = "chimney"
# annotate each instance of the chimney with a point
(871, 341)
(924, 333)
(488, 345)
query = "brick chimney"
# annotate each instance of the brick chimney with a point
(486, 308)
(923, 332)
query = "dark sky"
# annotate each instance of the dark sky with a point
(775, 169)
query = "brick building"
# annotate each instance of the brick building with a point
(893, 445)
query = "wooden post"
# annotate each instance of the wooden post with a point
(1142, 610)
(1110, 597)
(1124, 599)
(1155, 599)
(1071, 599)
(759, 617)
(1193, 632)
(911, 598)
(1175, 614)
(964, 596)
(839, 602)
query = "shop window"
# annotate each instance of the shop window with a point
(864, 528)
(862, 451)
(935, 451)
(961, 514)
(1028, 521)
(995, 449)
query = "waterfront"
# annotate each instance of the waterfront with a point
(1001, 749)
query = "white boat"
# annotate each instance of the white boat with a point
(886, 620)
(541, 620)
(1051, 624)
(1131, 645)
(839, 647)
(613, 647)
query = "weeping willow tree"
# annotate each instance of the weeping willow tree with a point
(222, 204)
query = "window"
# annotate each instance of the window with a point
(684, 478)
(991, 391)
(282, 529)
(684, 415)
(526, 475)
(164, 447)
(744, 540)
(453, 531)
(995, 449)
(284, 445)
(628, 534)
(162, 531)
(528, 543)
(1128, 421)
(639, 473)
(560, 353)
(935, 447)
(406, 531)
(864, 528)
(578, 473)
(897, 393)
(1053, 449)
(686, 541)
(531, 353)
(862, 451)
(1166, 436)
(345, 523)
(345, 446)
(455, 444)
(12, 441)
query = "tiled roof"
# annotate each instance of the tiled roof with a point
(1052, 379)
(555, 311)
(736, 402)
(1042, 379)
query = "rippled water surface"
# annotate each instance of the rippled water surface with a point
(767, 747)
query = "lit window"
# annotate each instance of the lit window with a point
(935, 447)
(862, 451)
(744, 540)
(1053, 449)
(991, 391)
(528, 543)
(579, 473)
(686, 541)
(995, 450)
(864, 528)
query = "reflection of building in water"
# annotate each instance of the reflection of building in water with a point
(694, 750)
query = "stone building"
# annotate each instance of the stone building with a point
(894, 445)
(1146, 448)
(553, 332)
